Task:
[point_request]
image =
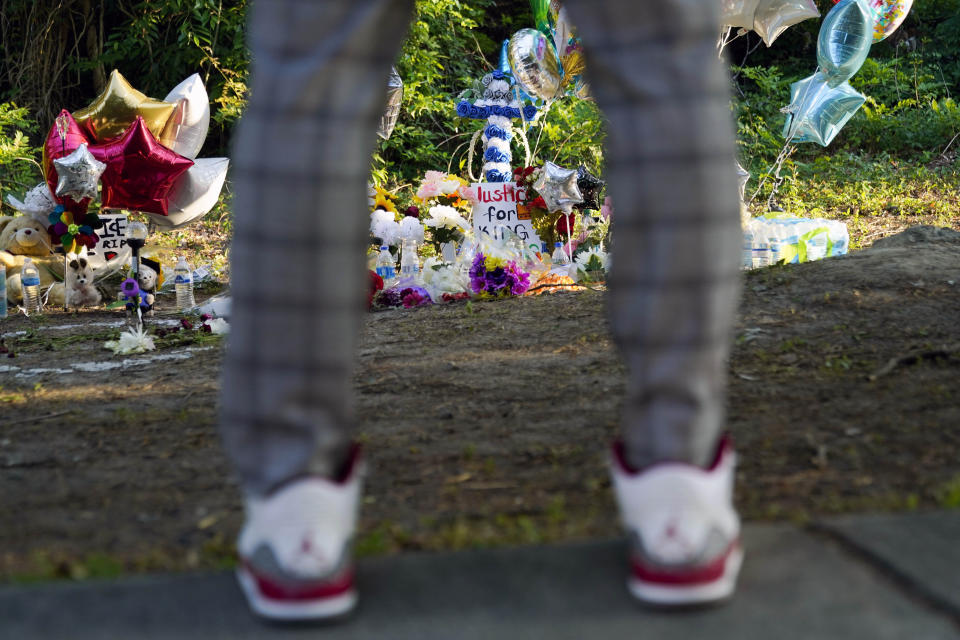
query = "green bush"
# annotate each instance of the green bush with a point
(19, 161)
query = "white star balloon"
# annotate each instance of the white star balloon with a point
(187, 127)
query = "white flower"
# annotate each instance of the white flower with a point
(388, 231)
(411, 229)
(449, 186)
(378, 217)
(443, 279)
(583, 258)
(218, 326)
(131, 341)
(444, 217)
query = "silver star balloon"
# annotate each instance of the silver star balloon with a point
(78, 174)
(558, 186)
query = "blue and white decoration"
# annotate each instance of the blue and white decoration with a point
(498, 107)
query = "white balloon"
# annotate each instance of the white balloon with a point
(773, 17)
(738, 13)
(187, 127)
(193, 194)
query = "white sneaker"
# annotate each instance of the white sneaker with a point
(685, 533)
(295, 548)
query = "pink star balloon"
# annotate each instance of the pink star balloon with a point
(140, 171)
(64, 137)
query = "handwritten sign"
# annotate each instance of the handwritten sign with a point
(113, 240)
(496, 210)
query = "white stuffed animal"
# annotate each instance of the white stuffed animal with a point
(80, 290)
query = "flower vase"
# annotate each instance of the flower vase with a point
(409, 260)
(448, 252)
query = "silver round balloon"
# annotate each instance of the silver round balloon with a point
(558, 186)
(392, 111)
(535, 64)
(845, 39)
(78, 174)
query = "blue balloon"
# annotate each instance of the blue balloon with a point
(844, 41)
(818, 111)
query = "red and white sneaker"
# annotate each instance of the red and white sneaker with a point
(685, 533)
(295, 548)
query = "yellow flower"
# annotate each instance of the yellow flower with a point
(385, 199)
(384, 203)
(492, 263)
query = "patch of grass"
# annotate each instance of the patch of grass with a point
(12, 397)
(948, 496)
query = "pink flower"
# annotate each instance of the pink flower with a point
(428, 190)
(607, 209)
(470, 195)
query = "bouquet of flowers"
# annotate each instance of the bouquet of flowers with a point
(533, 206)
(449, 201)
(492, 277)
(446, 224)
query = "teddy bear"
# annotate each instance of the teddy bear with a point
(25, 236)
(149, 277)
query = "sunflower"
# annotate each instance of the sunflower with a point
(384, 200)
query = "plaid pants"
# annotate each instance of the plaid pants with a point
(301, 160)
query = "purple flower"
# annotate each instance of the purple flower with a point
(497, 277)
(130, 288)
(388, 298)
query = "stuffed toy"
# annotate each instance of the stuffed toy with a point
(149, 278)
(77, 289)
(23, 236)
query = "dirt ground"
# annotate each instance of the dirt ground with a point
(487, 423)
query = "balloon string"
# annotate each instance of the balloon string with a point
(788, 149)
(473, 143)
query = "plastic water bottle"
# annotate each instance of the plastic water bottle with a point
(183, 282)
(840, 237)
(3, 291)
(30, 280)
(773, 240)
(817, 247)
(409, 260)
(560, 256)
(386, 267)
(746, 255)
(761, 247)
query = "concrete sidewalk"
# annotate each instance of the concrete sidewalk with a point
(863, 577)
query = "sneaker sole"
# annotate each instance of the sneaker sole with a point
(678, 596)
(332, 607)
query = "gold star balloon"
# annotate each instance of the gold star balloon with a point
(117, 107)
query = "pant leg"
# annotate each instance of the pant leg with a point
(300, 164)
(675, 281)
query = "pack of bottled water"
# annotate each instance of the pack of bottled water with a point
(768, 241)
